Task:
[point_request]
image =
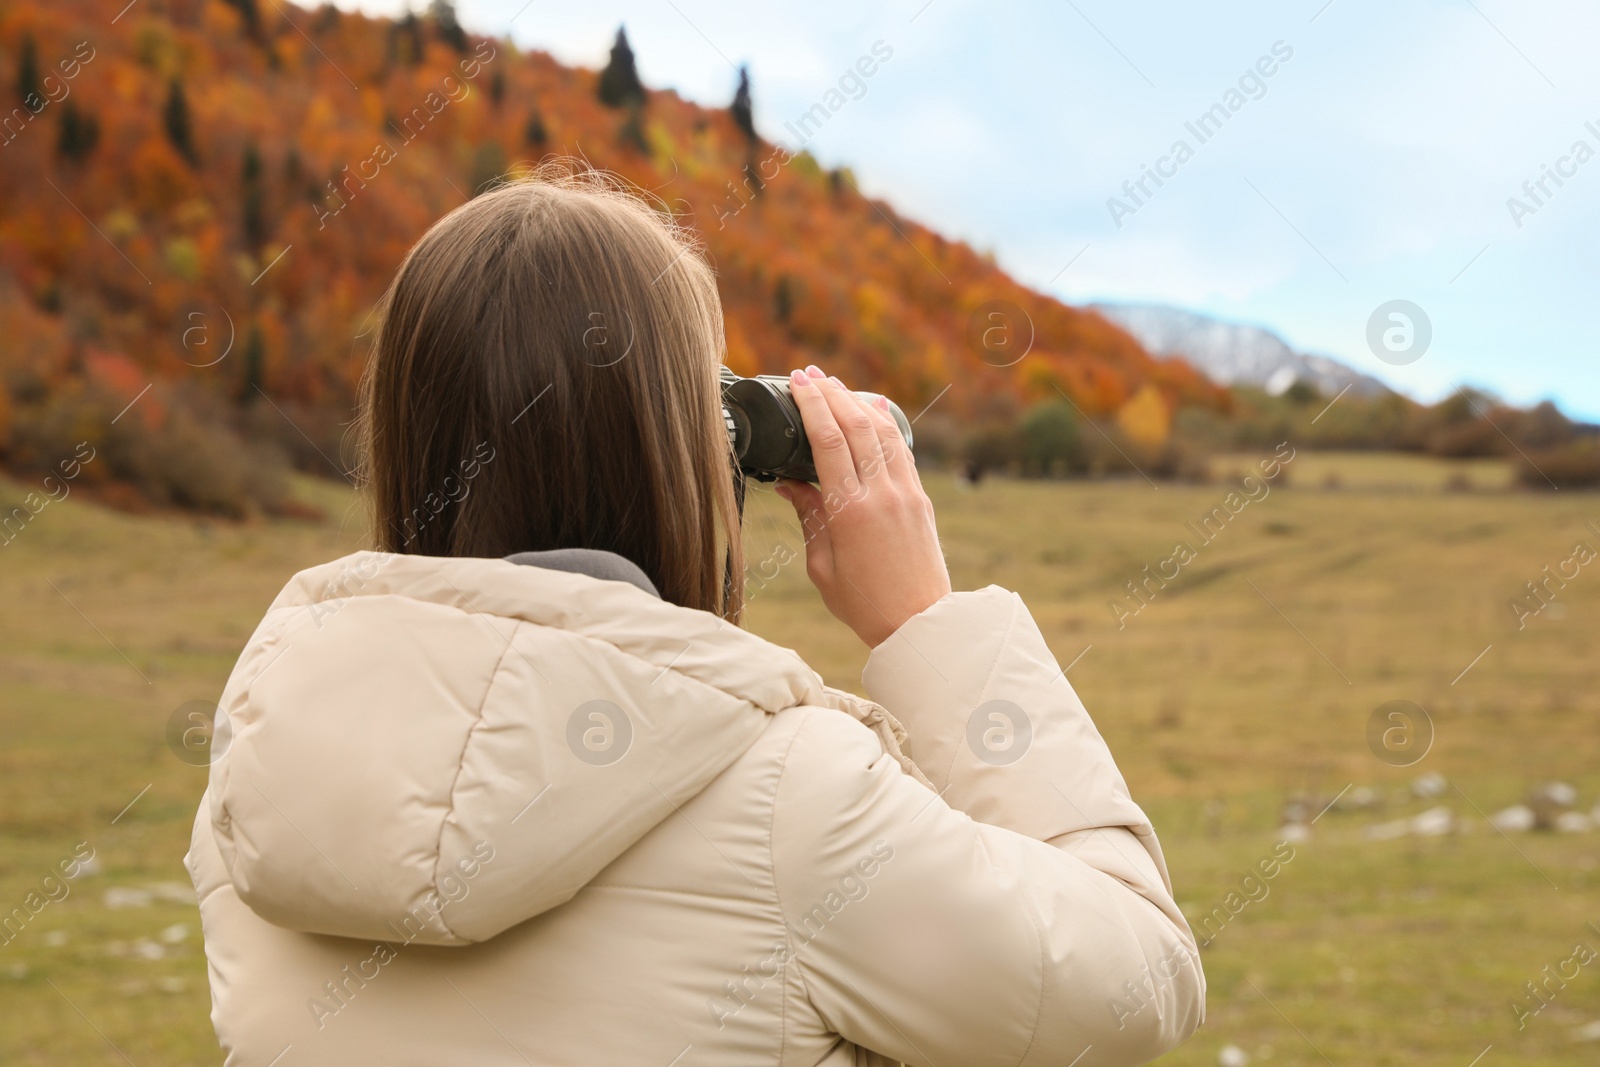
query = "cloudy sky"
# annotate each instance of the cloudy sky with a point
(1374, 163)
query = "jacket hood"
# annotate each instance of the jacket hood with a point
(435, 749)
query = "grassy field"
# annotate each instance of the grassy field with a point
(1248, 679)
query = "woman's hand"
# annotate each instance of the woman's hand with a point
(871, 546)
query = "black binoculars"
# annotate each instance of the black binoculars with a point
(765, 428)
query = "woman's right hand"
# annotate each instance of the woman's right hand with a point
(872, 548)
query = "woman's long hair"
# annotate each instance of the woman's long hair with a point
(545, 375)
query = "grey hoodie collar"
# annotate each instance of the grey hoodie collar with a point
(595, 562)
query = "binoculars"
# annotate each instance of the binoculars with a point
(766, 431)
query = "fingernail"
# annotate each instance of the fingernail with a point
(782, 490)
(836, 381)
(882, 402)
(798, 378)
(815, 371)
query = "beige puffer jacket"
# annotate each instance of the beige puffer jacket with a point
(485, 814)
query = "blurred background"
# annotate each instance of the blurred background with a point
(1252, 343)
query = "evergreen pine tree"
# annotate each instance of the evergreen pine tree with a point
(619, 82)
(254, 211)
(782, 299)
(743, 117)
(175, 117)
(80, 132)
(534, 133)
(253, 207)
(405, 40)
(255, 361)
(249, 14)
(443, 14)
(29, 88)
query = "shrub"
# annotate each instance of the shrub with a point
(1465, 440)
(1050, 444)
(171, 450)
(988, 446)
(316, 440)
(1571, 466)
(196, 465)
(1111, 454)
(936, 441)
(1050, 440)
(1542, 426)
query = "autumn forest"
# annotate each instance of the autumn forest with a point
(201, 202)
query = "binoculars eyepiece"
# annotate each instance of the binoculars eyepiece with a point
(766, 431)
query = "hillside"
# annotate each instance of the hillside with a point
(207, 197)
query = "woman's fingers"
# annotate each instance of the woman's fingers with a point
(896, 456)
(830, 451)
(855, 420)
(872, 548)
(810, 509)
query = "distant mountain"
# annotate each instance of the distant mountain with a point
(1235, 354)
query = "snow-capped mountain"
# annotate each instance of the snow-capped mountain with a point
(1231, 353)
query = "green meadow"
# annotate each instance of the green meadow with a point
(1243, 686)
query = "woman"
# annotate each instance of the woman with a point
(561, 809)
